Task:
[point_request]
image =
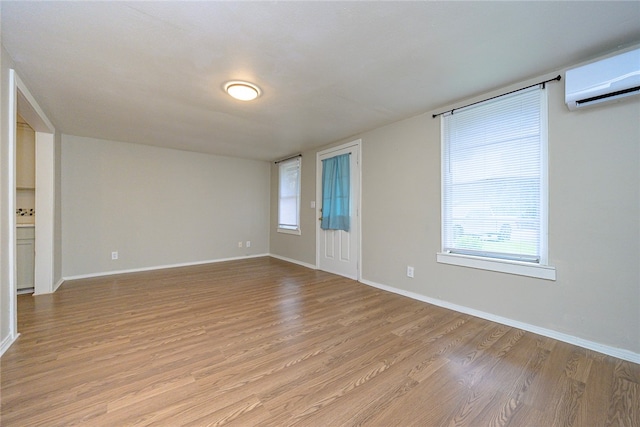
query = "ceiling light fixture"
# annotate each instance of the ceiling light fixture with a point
(243, 91)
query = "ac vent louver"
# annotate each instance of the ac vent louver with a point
(607, 80)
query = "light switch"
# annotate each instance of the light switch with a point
(313, 204)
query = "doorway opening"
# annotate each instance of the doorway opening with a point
(25, 206)
(23, 104)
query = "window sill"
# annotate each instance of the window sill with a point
(289, 231)
(503, 266)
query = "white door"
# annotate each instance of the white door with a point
(338, 251)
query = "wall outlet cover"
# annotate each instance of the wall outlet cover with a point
(409, 271)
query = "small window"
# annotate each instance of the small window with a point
(494, 181)
(289, 196)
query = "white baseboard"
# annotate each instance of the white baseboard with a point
(294, 261)
(580, 342)
(7, 342)
(156, 267)
(55, 288)
(58, 283)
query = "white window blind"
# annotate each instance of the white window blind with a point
(289, 195)
(494, 178)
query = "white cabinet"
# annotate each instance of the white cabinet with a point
(25, 157)
(26, 250)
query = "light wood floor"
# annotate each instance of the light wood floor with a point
(264, 342)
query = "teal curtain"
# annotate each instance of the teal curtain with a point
(335, 193)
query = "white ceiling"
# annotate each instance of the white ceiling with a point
(152, 72)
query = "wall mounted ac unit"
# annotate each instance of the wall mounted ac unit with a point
(602, 81)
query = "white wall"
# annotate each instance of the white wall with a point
(594, 225)
(157, 206)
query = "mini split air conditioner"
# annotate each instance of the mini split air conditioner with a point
(607, 80)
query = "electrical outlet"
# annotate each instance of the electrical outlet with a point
(248, 243)
(409, 271)
(239, 244)
(114, 255)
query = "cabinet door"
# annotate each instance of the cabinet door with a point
(25, 157)
(25, 261)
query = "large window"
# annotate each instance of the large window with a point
(494, 184)
(289, 196)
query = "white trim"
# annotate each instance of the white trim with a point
(544, 170)
(546, 272)
(58, 284)
(298, 161)
(157, 267)
(295, 231)
(7, 342)
(294, 261)
(11, 207)
(580, 342)
(34, 115)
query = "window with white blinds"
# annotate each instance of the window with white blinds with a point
(494, 178)
(289, 196)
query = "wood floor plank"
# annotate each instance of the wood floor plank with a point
(265, 342)
(429, 403)
(624, 408)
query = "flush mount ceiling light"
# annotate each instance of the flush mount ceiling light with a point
(244, 91)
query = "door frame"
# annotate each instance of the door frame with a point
(356, 146)
(21, 101)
